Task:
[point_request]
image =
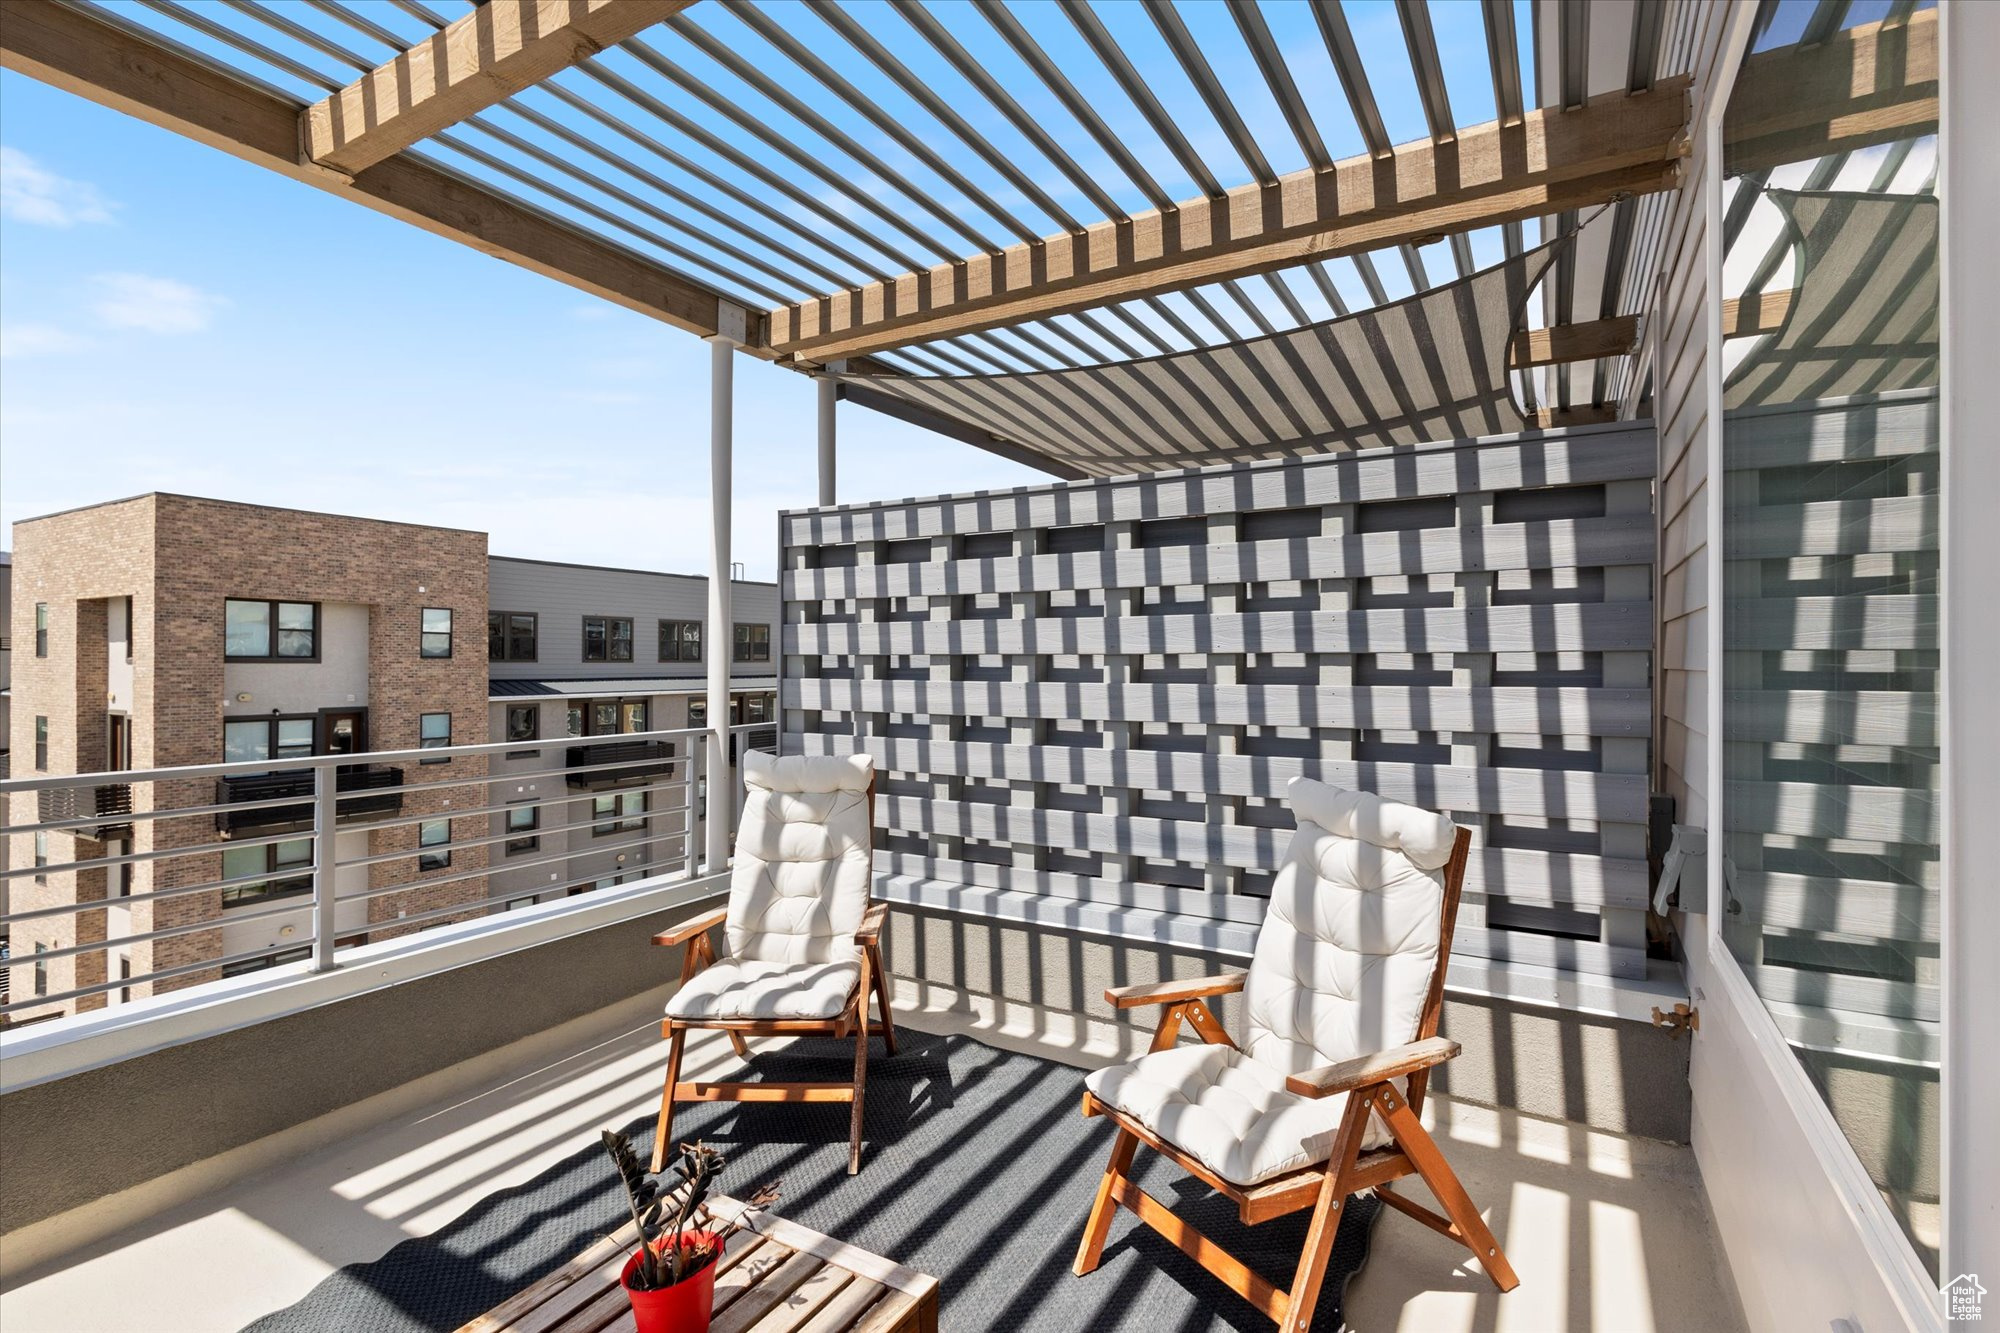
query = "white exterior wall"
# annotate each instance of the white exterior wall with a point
(339, 678)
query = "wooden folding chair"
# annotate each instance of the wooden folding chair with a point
(1343, 995)
(804, 938)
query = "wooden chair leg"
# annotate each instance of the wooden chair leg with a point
(742, 1046)
(882, 996)
(860, 1068)
(1101, 1212)
(1423, 1153)
(1327, 1212)
(664, 1133)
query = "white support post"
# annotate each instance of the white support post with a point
(829, 389)
(721, 626)
(326, 791)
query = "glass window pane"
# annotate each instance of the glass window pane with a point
(635, 716)
(295, 615)
(621, 640)
(244, 741)
(521, 722)
(240, 861)
(521, 818)
(437, 620)
(291, 855)
(1830, 632)
(434, 729)
(593, 638)
(575, 720)
(604, 717)
(496, 636)
(295, 736)
(247, 629)
(521, 638)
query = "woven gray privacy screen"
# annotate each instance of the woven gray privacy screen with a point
(1085, 699)
(1430, 367)
(1864, 314)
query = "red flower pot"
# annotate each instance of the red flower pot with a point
(682, 1308)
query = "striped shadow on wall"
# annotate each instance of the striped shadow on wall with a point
(1085, 699)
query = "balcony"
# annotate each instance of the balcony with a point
(620, 763)
(98, 811)
(375, 788)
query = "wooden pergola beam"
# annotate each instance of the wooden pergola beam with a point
(1616, 144)
(117, 66)
(1763, 312)
(1867, 85)
(483, 58)
(1560, 343)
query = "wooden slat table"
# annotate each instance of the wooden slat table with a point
(777, 1277)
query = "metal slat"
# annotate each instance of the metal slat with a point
(1353, 75)
(1186, 50)
(1503, 53)
(1648, 20)
(1278, 77)
(1415, 16)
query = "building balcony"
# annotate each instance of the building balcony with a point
(100, 810)
(619, 763)
(375, 794)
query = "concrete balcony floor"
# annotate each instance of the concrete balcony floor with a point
(1607, 1232)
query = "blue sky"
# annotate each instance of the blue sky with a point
(172, 318)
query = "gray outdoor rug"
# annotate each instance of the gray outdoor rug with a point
(978, 1168)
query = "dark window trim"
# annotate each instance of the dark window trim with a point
(534, 711)
(294, 882)
(745, 647)
(680, 646)
(425, 635)
(238, 968)
(41, 744)
(41, 629)
(506, 635)
(271, 721)
(532, 829)
(617, 821)
(273, 656)
(428, 861)
(609, 621)
(423, 744)
(619, 704)
(41, 969)
(131, 633)
(41, 856)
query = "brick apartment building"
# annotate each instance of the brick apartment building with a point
(169, 630)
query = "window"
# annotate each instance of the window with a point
(121, 874)
(275, 870)
(130, 633)
(523, 820)
(434, 733)
(124, 974)
(258, 964)
(270, 631)
(680, 641)
(604, 717)
(578, 725)
(758, 708)
(753, 643)
(41, 856)
(617, 812)
(41, 744)
(245, 739)
(607, 639)
(41, 969)
(524, 723)
(41, 629)
(510, 636)
(435, 638)
(434, 833)
(697, 712)
(632, 716)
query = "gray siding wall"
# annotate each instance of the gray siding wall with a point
(1093, 694)
(562, 595)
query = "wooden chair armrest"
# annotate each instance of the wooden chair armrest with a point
(693, 926)
(1364, 1070)
(1173, 992)
(871, 923)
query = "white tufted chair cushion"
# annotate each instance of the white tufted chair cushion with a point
(804, 862)
(1342, 968)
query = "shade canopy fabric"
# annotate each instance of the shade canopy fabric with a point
(1430, 367)
(1864, 315)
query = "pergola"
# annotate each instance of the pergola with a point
(1014, 272)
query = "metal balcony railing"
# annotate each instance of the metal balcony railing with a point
(99, 810)
(619, 763)
(174, 855)
(378, 793)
